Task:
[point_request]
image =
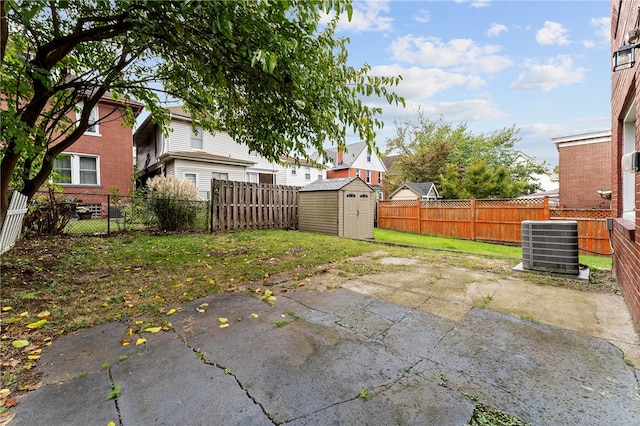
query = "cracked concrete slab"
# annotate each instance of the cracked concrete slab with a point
(311, 356)
(78, 402)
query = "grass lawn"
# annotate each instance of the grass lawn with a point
(514, 252)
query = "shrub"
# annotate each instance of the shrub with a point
(173, 202)
(49, 213)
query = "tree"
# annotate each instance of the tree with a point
(267, 72)
(431, 149)
(479, 181)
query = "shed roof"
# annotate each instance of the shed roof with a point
(329, 184)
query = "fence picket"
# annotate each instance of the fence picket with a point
(12, 226)
(246, 205)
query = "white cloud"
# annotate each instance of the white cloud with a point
(602, 29)
(552, 33)
(589, 44)
(555, 72)
(420, 83)
(367, 16)
(475, 3)
(422, 16)
(459, 54)
(496, 29)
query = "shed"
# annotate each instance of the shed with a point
(343, 207)
(425, 191)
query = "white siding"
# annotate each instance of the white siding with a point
(405, 194)
(285, 177)
(375, 164)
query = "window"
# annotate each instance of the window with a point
(220, 176)
(368, 156)
(294, 171)
(380, 178)
(196, 138)
(62, 166)
(73, 169)
(192, 177)
(319, 175)
(629, 179)
(368, 176)
(252, 177)
(357, 172)
(307, 173)
(93, 119)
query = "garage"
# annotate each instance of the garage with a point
(341, 207)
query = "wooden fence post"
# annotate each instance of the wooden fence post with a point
(547, 210)
(419, 202)
(472, 216)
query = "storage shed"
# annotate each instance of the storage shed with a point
(343, 207)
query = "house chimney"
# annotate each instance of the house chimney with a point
(339, 157)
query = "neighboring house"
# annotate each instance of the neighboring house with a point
(547, 181)
(425, 191)
(584, 169)
(553, 196)
(358, 161)
(200, 156)
(301, 174)
(101, 161)
(625, 145)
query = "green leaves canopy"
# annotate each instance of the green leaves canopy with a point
(461, 164)
(266, 71)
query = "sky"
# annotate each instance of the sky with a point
(541, 66)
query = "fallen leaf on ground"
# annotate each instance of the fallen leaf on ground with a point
(37, 324)
(171, 311)
(224, 325)
(153, 329)
(254, 315)
(7, 308)
(43, 314)
(33, 357)
(20, 344)
(223, 320)
(141, 341)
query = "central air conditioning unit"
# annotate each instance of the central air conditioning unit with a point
(550, 246)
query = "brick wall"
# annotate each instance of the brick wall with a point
(114, 145)
(624, 90)
(584, 169)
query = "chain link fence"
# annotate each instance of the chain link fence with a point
(107, 213)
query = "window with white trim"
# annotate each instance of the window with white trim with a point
(220, 176)
(196, 138)
(252, 177)
(368, 156)
(629, 178)
(193, 178)
(74, 169)
(357, 172)
(294, 171)
(93, 128)
(380, 178)
(368, 176)
(307, 173)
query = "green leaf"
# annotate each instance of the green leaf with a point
(20, 344)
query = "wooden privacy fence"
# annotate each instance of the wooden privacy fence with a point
(489, 220)
(245, 205)
(12, 226)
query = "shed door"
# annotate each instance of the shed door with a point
(350, 215)
(357, 215)
(364, 215)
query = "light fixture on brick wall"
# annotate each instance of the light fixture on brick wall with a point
(624, 57)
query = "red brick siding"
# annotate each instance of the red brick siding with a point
(344, 173)
(584, 169)
(626, 239)
(115, 148)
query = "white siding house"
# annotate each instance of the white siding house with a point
(200, 156)
(299, 175)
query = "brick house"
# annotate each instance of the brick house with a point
(101, 160)
(358, 161)
(584, 163)
(625, 181)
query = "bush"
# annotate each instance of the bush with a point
(173, 202)
(49, 214)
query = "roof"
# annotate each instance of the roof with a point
(389, 160)
(329, 184)
(348, 157)
(204, 157)
(421, 189)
